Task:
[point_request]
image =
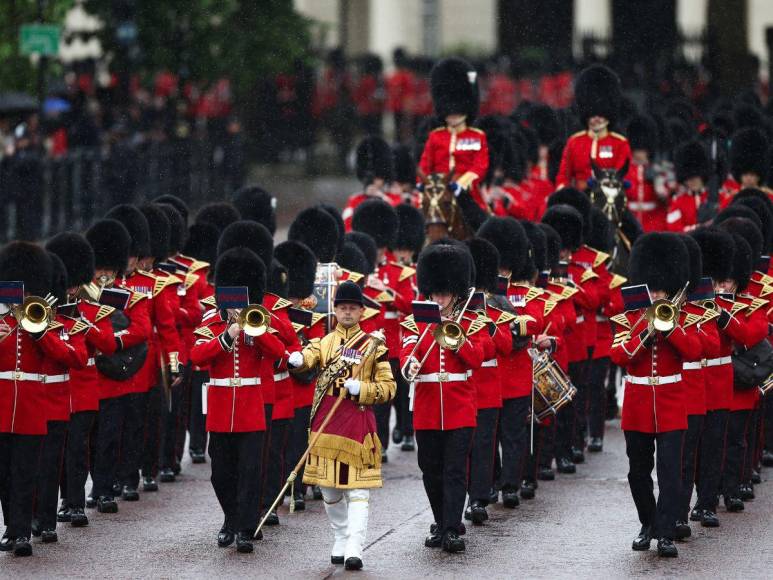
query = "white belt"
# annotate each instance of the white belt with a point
(601, 318)
(281, 376)
(391, 315)
(91, 362)
(642, 205)
(441, 377)
(666, 380)
(715, 362)
(490, 363)
(234, 382)
(581, 318)
(22, 376)
(693, 366)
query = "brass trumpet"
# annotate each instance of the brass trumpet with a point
(254, 320)
(35, 313)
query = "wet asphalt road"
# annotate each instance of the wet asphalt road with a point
(579, 526)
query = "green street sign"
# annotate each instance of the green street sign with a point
(42, 39)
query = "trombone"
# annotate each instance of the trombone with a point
(662, 315)
(35, 313)
(449, 335)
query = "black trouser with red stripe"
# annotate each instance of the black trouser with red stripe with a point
(402, 400)
(443, 458)
(279, 467)
(19, 460)
(131, 440)
(482, 455)
(47, 488)
(198, 420)
(299, 441)
(711, 459)
(77, 458)
(265, 456)
(597, 395)
(692, 440)
(514, 437)
(568, 417)
(735, 452)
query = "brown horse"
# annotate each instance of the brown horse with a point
(442, 215)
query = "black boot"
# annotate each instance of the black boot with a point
(198, 456)
(225, 537)
(510, 498)
(353, 563)
(596, 445)
(78, 518)
(528, 489)
(63, 515)
(577, 455)
(244, 543)
(49, 536)
(709, 519)
(397, 436)
(493, 497)
(696, 514)
(683, 530)
(565, 465)
(452, 543)
(408, 443)
(435, 538)
(746, 491)
(22, 547)
(166, 475)
(107, 505)
(6, 543)
(546, 474)
(149, 484)
(478, 513)
(130, 493)
(667, 548)
(734, 504)
(641, 542)
(767, 458)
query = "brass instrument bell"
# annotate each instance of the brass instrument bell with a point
(254, 320)
(34, 314)
(449, 335)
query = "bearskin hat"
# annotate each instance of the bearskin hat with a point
(77, 255)
(367, 246)
(630, 226)
(717, 249)
(176, 203)
(747, 115)
(568, 222)
(454, 85)
(509, 238)
(373, 160)
(747, 230)
(743, 262)
(335, 213)
(410, 229)
(136, 224)
(59, 281)
(218, 213)
(242, 267)
(748, 153)
(552, 246)
(248, 234)
(601, 236)
(256, 204)
(759, 202)
(316, 228)
(660, 260)
(111, 243)
(696, 261)
(177, 228)
(597, 92)
(575, 198)
(160, 229)
(691, 160)
(642, 133)
(444, 268)
(278, 279)
(545, 123)
(301, 264)
(378, 219)
(353, 258)
(404, 164)
(28, 263)
(486, 259)
(202, 242)
(538, 256)
(738, 210)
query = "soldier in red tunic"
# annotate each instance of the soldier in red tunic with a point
(748, 159)
(444, 404)
(597, 95)
(235, 418)
(375, 169)
(692, 167)
(647, 202)
(457, 150)
(654, 413)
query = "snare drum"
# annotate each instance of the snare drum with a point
(552, 387)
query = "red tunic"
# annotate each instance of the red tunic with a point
(488, 378)
(280, 322)
(755, 329)
(652, 407)
(517, 376)
(644, 202)
(698, 321)
(444, 399)
(84, 383)
(356, 199)
(58, 366)
(683, 210)
(610, 150)
(461, 155)
(303, 393)
(234, 407)
(399, 282)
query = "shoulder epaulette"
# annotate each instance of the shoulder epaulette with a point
(767, 290)
(476, 130)
(281, 303)
(755, 305)
(164, 282)
(710, 314)
(211, 313)
(204, 331)
(197, 265)
(316, 317)
(620, 337)
(410, 324)
(588, 275)
(617, 281)
(765, 279)
(384, 297)
(600, 258)
(618, 135)
(621, 319)
(353, 276)
(78, 327)
(549, 306)
(190, 280)
(568, 292)
(504, 316)
(297, 327)
(477, 324)
(737, 307)
(55, 325)
(209, 301)
(533, 293)
(690, 319)
(406, 272)
(369, 313)
(103, 312)
(443, 128)
(136, 297)
(583, 132)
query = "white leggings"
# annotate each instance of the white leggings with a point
(347, 510)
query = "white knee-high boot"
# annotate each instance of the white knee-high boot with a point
(358, 521)
(336, 508)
